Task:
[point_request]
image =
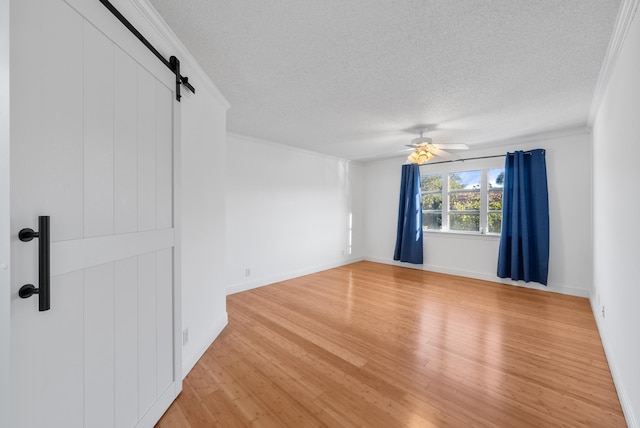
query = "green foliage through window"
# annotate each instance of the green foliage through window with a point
(465, 201)
(431, 188)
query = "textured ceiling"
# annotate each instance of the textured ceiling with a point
(352, 78)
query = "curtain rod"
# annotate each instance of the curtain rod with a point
(466, 159)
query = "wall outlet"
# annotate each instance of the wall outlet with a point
(247, 272)
(602, 311)
(343, 252)
(185, 336)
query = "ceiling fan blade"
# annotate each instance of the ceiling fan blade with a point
(452, 146)
(442, 153)
(417, 145)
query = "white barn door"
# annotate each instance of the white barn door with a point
(93, 120)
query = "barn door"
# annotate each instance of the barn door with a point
(92, 148)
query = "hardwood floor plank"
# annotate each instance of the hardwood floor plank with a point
(196, 412)
(174, 418)
(373, 345)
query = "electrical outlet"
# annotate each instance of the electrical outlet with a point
(185, 336)
(602, 311)
(343, 252)
(247, 272)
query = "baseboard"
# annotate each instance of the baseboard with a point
(553, 288)
(244, 286)
(190, 360)
(613, 368)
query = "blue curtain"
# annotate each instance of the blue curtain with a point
(409, 239)
(524, 242)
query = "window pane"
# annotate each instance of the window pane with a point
(495, 200)
(432, 201)
(465, 180)
(467, 201)
(496, 178)
(466, 222)
(495, 222)
(431, 221)
(431, 182)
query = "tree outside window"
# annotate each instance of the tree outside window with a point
(463, 201)
(495, 179)
(431, 189)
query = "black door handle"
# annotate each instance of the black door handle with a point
(44, 270)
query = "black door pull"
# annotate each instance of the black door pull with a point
(44, 271)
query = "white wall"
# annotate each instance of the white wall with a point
(569, 174)
(204, 311)
(287, 212)
(202, 190)
(616, 143)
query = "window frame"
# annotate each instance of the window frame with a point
(487, 211)
(433, 192)
(445, 169)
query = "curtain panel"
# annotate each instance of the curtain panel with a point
(524, 240)
(409, 236)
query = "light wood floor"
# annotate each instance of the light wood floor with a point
(374, 345)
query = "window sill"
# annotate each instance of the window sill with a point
(465, 235)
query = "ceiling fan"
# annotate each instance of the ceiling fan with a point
(424, 149)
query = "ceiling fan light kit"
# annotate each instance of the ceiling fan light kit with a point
(420, 155)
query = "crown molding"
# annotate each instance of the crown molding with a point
(626, 14)
(152, 16)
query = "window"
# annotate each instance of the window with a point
(463, 201)
(431, 189)
(495, 182)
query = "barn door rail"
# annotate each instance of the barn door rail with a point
(172, 64)
(44, 263)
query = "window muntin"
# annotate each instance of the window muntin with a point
(463, 201)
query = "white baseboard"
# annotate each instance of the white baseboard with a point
(249, 285)
(613, 367)
(554, 288)
(190, 360)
